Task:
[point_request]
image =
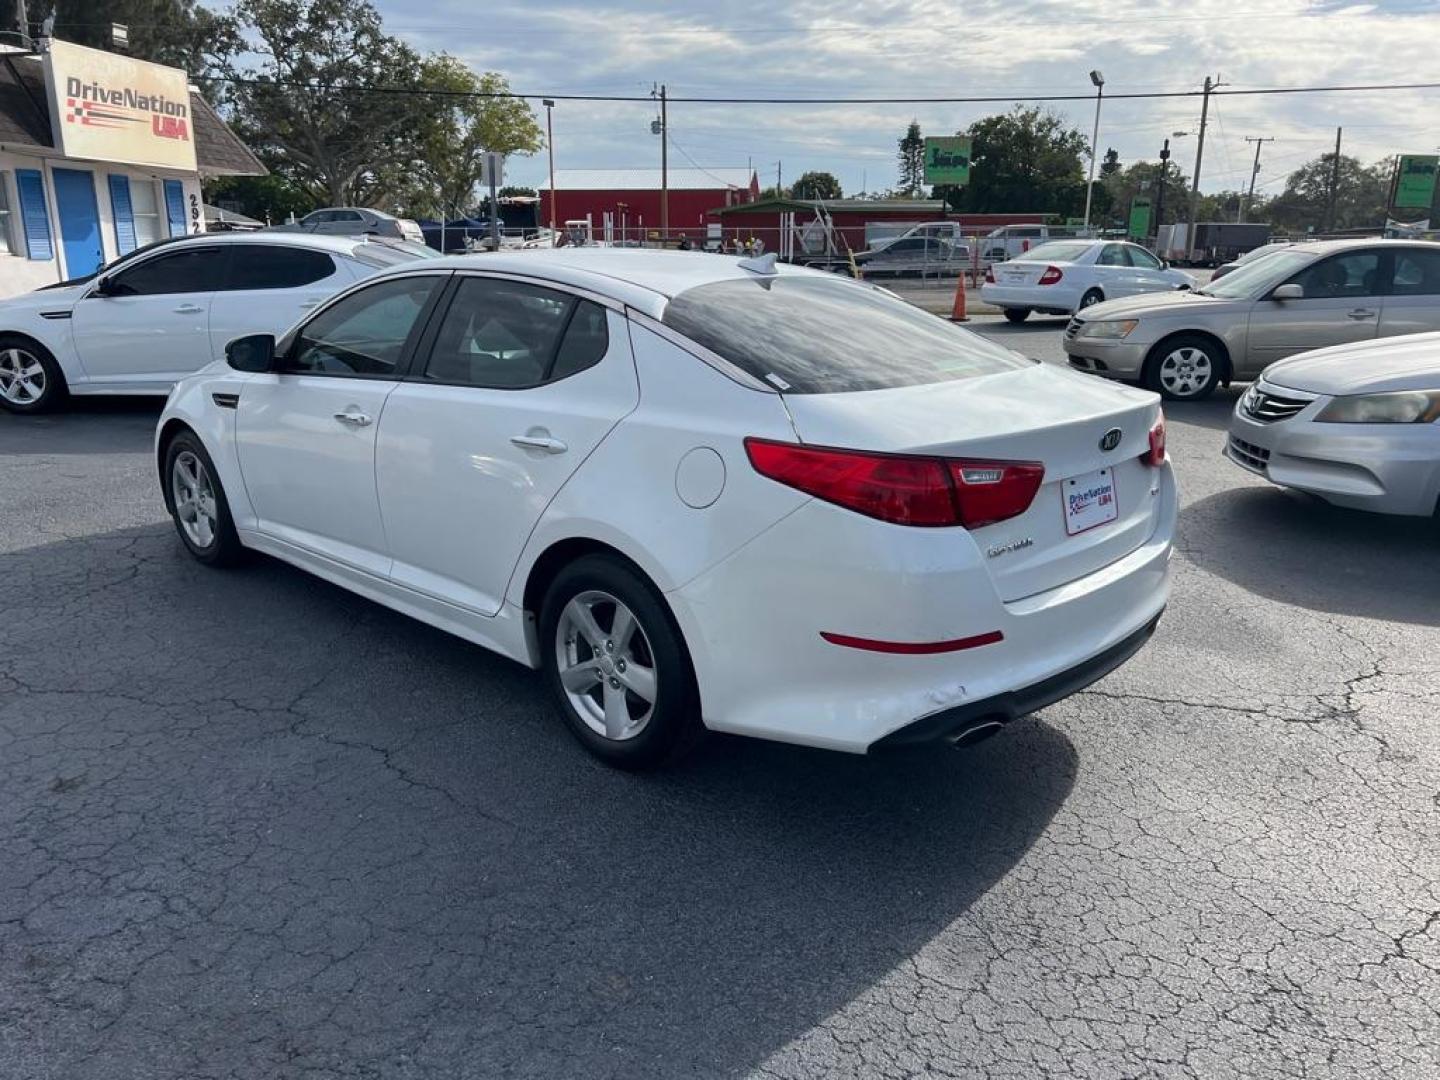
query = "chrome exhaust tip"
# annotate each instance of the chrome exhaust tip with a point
(976, 732)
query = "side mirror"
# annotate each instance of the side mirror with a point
(1288, 291)
(254, 352)
(1164, 264)
(103, 287)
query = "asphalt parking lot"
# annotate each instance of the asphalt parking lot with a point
(254, 826)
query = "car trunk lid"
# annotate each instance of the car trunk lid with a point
(1041, 413)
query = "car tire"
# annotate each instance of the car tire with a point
(30, 379)
(631, 699)
(1090, 299)
(1186, 367)
(197, 504)
(1016, 314)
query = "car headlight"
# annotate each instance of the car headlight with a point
(1113, 329)
(1397, 407)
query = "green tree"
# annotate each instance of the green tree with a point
(911, 160)
(1110, 163)
(816, 185)
(1023, 160)
(511, 191)
(467, 117)
(1360, 196)
(308, 97)
(178, 33)
(1143, 178)
(270, 198)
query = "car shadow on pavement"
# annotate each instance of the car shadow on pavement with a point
(1213, 413)
(255, 825)
(1375, 566)
(85, 425)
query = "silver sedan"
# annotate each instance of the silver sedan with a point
(1308, 296)
(1358, 425)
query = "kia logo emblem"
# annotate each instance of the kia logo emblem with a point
(1111, 439)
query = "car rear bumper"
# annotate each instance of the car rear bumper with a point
(754, 627)
(1385, 468)
(1056, 298)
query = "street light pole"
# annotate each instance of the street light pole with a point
(1098, 80)
(550, 145)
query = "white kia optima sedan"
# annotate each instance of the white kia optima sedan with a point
(1064, 276)
(1357, 425)
(168, 309)
(698, 492)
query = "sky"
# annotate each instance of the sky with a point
(919, 48)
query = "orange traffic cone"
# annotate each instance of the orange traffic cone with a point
(957, 312)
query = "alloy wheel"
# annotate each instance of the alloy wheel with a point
(606, 665)
(1186, 371)
(194, 498)
(22, 377)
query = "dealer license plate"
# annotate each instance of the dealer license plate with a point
(1090, 501)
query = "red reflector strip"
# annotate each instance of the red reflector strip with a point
(913, 648)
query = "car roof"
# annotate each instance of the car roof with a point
(643, 278)
(1328, 247)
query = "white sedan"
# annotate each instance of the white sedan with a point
(1357, 425)
(1063, 276)
(164, 311)
(698, 492)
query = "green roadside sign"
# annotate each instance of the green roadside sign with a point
(1416, 186)
(1140, 217)
(947, 160)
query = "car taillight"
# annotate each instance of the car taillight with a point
(1051, 276)
(900, 488)
(1156, 456)
(989, 275)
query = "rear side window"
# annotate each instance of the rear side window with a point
(818, 335)
(269, 266)
(507, 335)
(363, 334)
(1417, 273)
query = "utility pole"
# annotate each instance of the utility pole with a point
(1250, 198)
(23, 20)
(664, 169)
(778, 184)
(550, 146)
(1160, 195)
(1334, 184)
(1210, 85)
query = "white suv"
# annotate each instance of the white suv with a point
(155, 315)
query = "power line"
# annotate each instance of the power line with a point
(413, 91)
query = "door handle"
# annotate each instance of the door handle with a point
(543, 443)
(1361, 313)
(353, 419)
(189, 309)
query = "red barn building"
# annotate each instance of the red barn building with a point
(633, 195)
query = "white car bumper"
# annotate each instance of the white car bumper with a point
(754, 625)
(1057, 298)
(1387, 468)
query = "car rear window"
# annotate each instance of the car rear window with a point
(808, 334)
(1060, 251)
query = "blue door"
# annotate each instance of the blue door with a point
(79, 221)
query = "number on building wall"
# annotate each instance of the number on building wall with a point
(194, 213)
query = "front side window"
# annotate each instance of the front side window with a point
(818, 335)
(193, 270)
(1354, 274)
(363, 334)
(271, 266)
(1142, 258)
(507, 335)
(1417, 273)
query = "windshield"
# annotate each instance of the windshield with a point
(1258, 275)
(1259, 253)
(1060, 251)
(822, 335)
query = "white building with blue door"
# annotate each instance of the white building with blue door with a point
(100, 154)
